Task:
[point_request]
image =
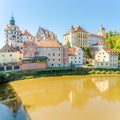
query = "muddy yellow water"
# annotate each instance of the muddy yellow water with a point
(71, 97)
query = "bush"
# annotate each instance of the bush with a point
(103, 72)
(97, 72)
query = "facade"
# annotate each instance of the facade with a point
(14, 36)
(99, 45)
(94, 39)
(43, 34)
(106, 58)
(31, 63)
(75, 56)
(10, 58)
(101, 31)
(51, 48)
(76, 36)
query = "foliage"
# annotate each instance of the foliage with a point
(87, 50)
(68, 44)
(113, 41)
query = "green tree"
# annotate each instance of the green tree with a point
(68, 44)
(87, 50)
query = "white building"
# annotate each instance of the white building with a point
(94, 39)
(99, 45)
(14, 36)
(75, 56)
(106, 58)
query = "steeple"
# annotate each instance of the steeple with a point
(12, 20)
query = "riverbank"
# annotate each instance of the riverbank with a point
(20, 75)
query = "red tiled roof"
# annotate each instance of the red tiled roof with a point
(94, 35)
(25, 32)
(71, 52)
(76, 29)
(100, 43)
(110, 52)
(50, 43)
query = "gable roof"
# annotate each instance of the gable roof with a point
(76, 29)
(49, 43)
(25, 32)
(7, 48)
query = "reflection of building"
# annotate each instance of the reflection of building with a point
(102, 85)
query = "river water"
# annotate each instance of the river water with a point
(91, 97)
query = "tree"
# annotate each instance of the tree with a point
(87, 50)
(68, 44)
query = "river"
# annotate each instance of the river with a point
(90, 97)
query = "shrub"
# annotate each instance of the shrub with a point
(103, 72)
(97, 72)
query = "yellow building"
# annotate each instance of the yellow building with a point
(76, 36)
(9, 54)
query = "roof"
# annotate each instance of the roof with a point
(49, 43)
(71, 52)
(25, 32)
(8, 27)
(94, 35)
(100, 43)
(8, 48)
(110, 52)
(76, 29)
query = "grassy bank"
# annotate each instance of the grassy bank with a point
(19, 75)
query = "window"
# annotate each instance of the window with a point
(52, 64)
(9, 68)
(48, 54)
(59, 54)
(10, 55)
(58, 59)
(16, 67)
(3, 55)
(53, 59)
(53, 54)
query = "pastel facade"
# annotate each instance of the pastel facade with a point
(10, 58)
(106, 58)
(99, 45)
(76, 36)
(50, 48)
(9, 54)
(31, 63)
(75, 56)
(94, 39)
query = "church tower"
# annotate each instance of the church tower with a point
(101, 31)
(12, 20)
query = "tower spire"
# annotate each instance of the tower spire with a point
(12, 20)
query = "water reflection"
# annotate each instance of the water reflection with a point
(10, 104)
(71, 97)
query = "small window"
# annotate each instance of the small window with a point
(10, 55)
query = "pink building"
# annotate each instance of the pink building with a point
(57, 55)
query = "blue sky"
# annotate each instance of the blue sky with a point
(59, 15)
